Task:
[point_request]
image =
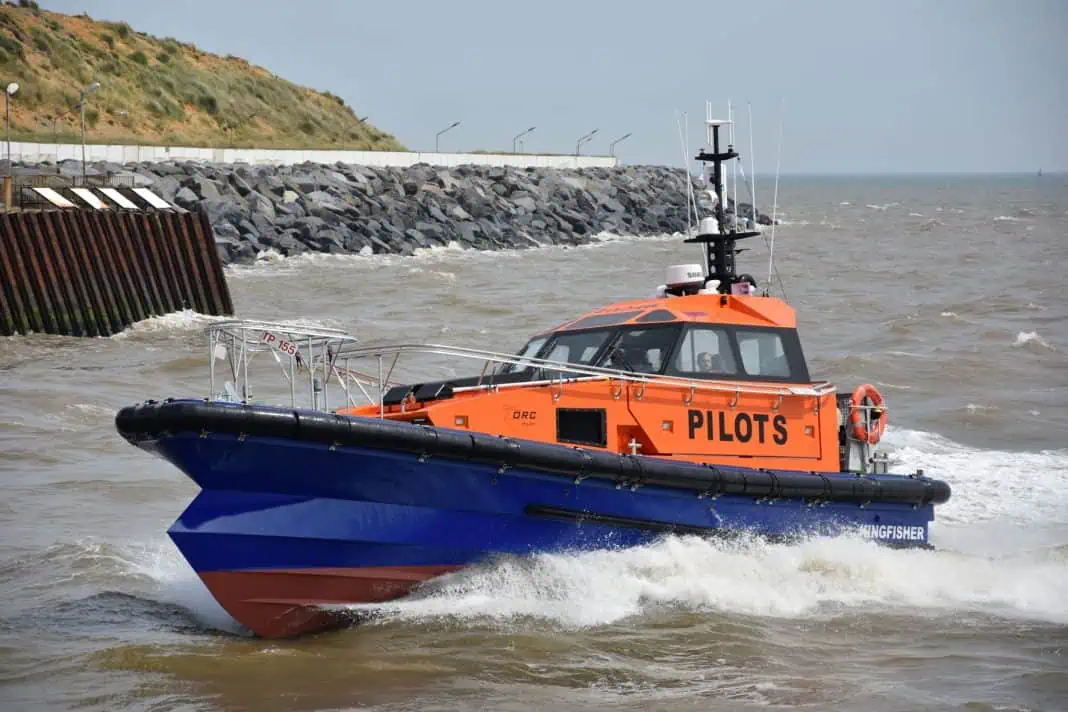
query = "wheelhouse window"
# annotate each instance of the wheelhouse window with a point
(641, 350)
(763, 354)
(603, 319)
(656, 315)
(705, 352)
(529, 351)
(577, 348)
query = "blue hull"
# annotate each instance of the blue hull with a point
(275, 504)
(268, 503)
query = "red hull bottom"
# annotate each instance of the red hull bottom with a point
(282, 603)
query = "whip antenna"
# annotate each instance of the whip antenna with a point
(775, 199)
(752, 165)
(686, 168)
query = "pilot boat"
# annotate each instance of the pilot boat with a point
(689, 412)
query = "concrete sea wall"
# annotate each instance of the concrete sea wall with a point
(26, 152)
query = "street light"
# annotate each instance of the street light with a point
(8, 93)
(516, 141)
(450, 127)
(584, 139)
(612, 146)
(85, 92)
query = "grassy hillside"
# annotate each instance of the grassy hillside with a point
(158, 91)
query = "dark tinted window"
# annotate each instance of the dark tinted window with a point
(603, 320)
(641, 350)
(705, 352)
(656, 315)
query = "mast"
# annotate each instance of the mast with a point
(717, 235)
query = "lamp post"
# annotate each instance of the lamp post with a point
(584, 139)
(8, 93)
(450, 127)
(516, 141)
(611, 146)
(85, 93)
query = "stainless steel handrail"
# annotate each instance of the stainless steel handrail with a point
(325, 355)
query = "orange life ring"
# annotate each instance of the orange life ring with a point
(860, 430)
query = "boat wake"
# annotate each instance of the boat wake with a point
(989, 486)
(819, 578)
(1002, 551)
(1002, 543)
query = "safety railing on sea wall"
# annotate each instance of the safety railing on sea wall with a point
(38, 152)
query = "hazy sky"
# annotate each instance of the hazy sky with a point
(891, 86)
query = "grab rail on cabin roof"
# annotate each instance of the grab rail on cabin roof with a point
(325, 354)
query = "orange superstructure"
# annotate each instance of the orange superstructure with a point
(715, 378)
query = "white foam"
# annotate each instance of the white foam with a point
(988, 485)
(88, 413)
(176, 583)
(893, 386)
(442, 274)
(1031, 337)
(185, 320)
(272, 262)
(817, 578)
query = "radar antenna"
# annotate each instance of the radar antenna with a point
(715, 233)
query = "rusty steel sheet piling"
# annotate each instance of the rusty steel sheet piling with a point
(86, 271)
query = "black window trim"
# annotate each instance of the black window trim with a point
(791, 345)
(675, 326)
(550, 343)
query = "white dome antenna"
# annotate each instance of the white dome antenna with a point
(680, 280)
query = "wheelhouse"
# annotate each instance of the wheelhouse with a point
(662, 341)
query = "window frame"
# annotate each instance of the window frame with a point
(791, 344)
(550, 344)
(521, 355)
(668, 353)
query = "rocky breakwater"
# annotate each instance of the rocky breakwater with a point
(367, 210)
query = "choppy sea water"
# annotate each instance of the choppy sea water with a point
(947, 293)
